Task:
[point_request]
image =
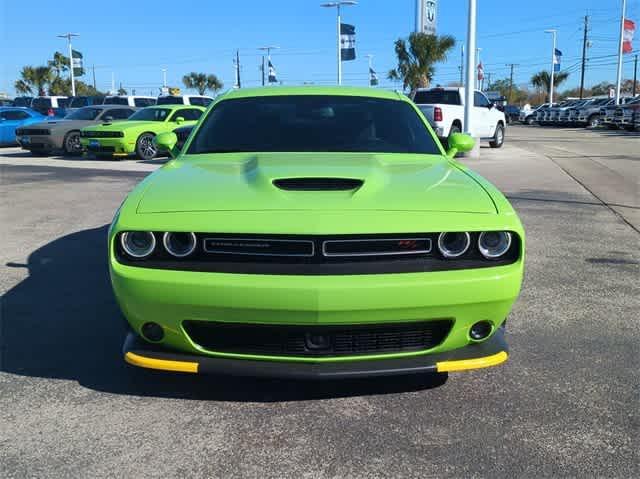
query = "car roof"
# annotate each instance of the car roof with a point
(312, 90)
(184, 96)
(173, 107)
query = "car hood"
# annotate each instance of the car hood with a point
(248, 182)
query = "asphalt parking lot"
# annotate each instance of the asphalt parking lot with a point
(565, 404)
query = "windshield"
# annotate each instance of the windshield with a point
(86, 113)
(79, 101)
(151, 114)
(313, 123)
(433, 97)
(170, 100)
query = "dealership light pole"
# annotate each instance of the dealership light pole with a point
(68, 36)
(620, 51)
(470, 80)
(337, 6)
(268, 50)
(553, 64)
(164, 78)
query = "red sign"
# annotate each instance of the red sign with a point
(627, 37)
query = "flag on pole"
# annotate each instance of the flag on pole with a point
(373, 77)
(557, 57)
(272, 73)
(347, 42)
(627, 36)
(480, 72)
(76, 61)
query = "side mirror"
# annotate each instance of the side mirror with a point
(490, 105)
(180, 120)
(459, 143)
(167, 142)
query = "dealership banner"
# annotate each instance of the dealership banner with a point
(76, 61)
(627, 37)
(272, 73)
(347, 42)
(428, 12)
(373, 77)
(557, 57)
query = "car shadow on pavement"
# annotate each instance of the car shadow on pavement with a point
(62, 322)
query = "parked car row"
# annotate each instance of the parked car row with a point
(591, 112)
(60, 105)
(107, 131)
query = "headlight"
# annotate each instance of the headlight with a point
(138, 244)
(179, 244)
(452, 245)
(493, 244)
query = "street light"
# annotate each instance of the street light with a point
(73, 80)
(268, 50)
(553, 64)
(337, 6)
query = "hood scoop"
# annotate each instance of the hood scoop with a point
(318, 184)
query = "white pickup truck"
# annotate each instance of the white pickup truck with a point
(444, 109)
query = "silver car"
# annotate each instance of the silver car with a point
(64, 134)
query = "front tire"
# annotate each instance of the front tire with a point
(498, 137)
(145, 149)
(71, 145)
(529, 120)
(594, 121)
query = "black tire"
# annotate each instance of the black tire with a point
(593, 121)
(498, 137)
(145, 149)
(71, 143)
(529, 120)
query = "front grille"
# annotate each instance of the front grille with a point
(101, 149)
(32, 131)
(101, 134)
(317, 341)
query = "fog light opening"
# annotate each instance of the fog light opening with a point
(480, 330)
(152, 332)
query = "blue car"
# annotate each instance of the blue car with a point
(14, 117)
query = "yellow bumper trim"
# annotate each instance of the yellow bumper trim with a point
(476, 363)
(163, 364)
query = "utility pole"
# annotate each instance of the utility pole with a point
(584, 54)
(68, 36)
(238, 84)
(164, 78)
(635, 74)
(553, 64)
(93, 68)
(512, 65)
(470, 80)
(619, 78)
(113, 83)
(461, 67)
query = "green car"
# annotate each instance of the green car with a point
(136, 135)
(315, 232)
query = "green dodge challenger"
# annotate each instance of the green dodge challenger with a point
(315, 232)
(135, 136)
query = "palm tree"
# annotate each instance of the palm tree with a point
(202, 82)
(542, 80)
(34, 79)
(59, 64)
(417, 57)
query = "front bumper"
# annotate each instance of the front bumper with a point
(492, 352)
(108, 146)
(39, 142)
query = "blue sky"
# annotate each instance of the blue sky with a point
(137, 38)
